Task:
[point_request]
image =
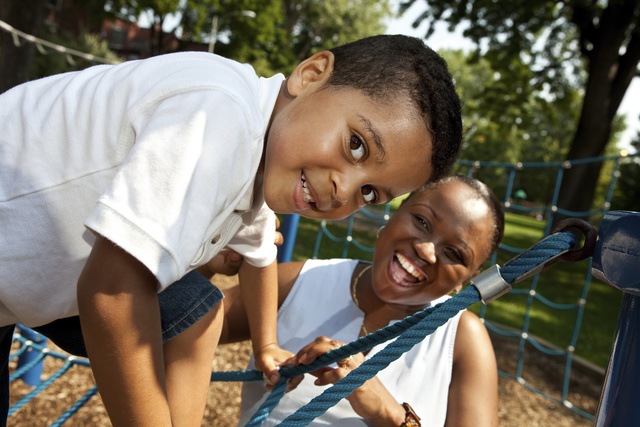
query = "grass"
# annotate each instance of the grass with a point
(563, 285)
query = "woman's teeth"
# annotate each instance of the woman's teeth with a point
(306, 195)
(408, 266)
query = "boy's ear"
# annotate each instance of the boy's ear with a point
(313, 72)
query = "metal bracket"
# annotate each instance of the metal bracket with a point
(490, 284)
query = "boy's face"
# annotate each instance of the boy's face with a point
(331, 151)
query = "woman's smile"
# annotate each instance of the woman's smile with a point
(404, 272)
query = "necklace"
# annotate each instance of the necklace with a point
(354, 285)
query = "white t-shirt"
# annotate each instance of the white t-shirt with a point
(320, 304)
(159, 155)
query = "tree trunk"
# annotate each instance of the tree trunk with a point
(15, 61)
(609, 77)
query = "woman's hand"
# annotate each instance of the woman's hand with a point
(371, 401)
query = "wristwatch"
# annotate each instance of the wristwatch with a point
(411, 419)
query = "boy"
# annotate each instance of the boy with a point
(127, 177)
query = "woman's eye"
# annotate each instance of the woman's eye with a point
(357, 147)
(422, 222)
(369, 194)
(455, 255)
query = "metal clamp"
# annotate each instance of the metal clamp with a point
(490, 284)
(590, 238)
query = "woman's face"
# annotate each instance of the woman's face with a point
(432, 245)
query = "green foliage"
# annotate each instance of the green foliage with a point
(52, 62)
(276, 39)
(537, 129)
(627, 193)
(546, 49)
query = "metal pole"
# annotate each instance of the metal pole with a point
(32, 375)
(616, 260)
(214, 33)
(289, 230)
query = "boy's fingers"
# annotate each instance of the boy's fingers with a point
(234, 256)
(279, 240)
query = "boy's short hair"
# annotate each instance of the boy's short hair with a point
(383, 66)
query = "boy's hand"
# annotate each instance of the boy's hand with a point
(226, 262)
(268, 358)
(279, 240)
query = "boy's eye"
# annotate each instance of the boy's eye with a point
(357, 147)
(369, 194)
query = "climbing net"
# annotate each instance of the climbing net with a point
(413, 333)
(409, 332)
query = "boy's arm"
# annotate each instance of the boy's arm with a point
(236, 325)
(120, 321)
(259, 290)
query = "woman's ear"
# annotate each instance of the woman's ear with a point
(312, 73)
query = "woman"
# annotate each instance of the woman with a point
(437, 240)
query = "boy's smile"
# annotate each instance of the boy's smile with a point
(331, 151)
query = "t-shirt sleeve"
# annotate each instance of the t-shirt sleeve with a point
(191, 161)
(256, 240)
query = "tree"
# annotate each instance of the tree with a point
(533, 129)
(627, 193)
(592, 42)
(278, 35)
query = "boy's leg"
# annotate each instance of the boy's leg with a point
(6, 336)
(191, 313)
(188, 358)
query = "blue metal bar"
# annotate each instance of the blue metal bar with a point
(32, 375)
(289, 229)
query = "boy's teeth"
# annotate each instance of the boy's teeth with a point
(404, 262)
(306, 195)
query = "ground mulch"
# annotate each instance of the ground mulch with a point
(518, 406)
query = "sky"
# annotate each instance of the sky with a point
(443, 39)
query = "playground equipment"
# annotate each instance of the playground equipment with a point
(613, 391)
(616, 260)
(487, 286)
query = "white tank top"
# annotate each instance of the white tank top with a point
(319, 304)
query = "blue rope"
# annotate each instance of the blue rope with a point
(410, 330)
(75, 407)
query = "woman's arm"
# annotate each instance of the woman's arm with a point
(473, 393)
(371, 401)
(236, 324)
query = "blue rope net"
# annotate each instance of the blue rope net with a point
(355, 240)
(528, 297)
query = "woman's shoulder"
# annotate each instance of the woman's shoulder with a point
(472, 337)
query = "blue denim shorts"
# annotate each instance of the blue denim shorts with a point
(181, 305)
